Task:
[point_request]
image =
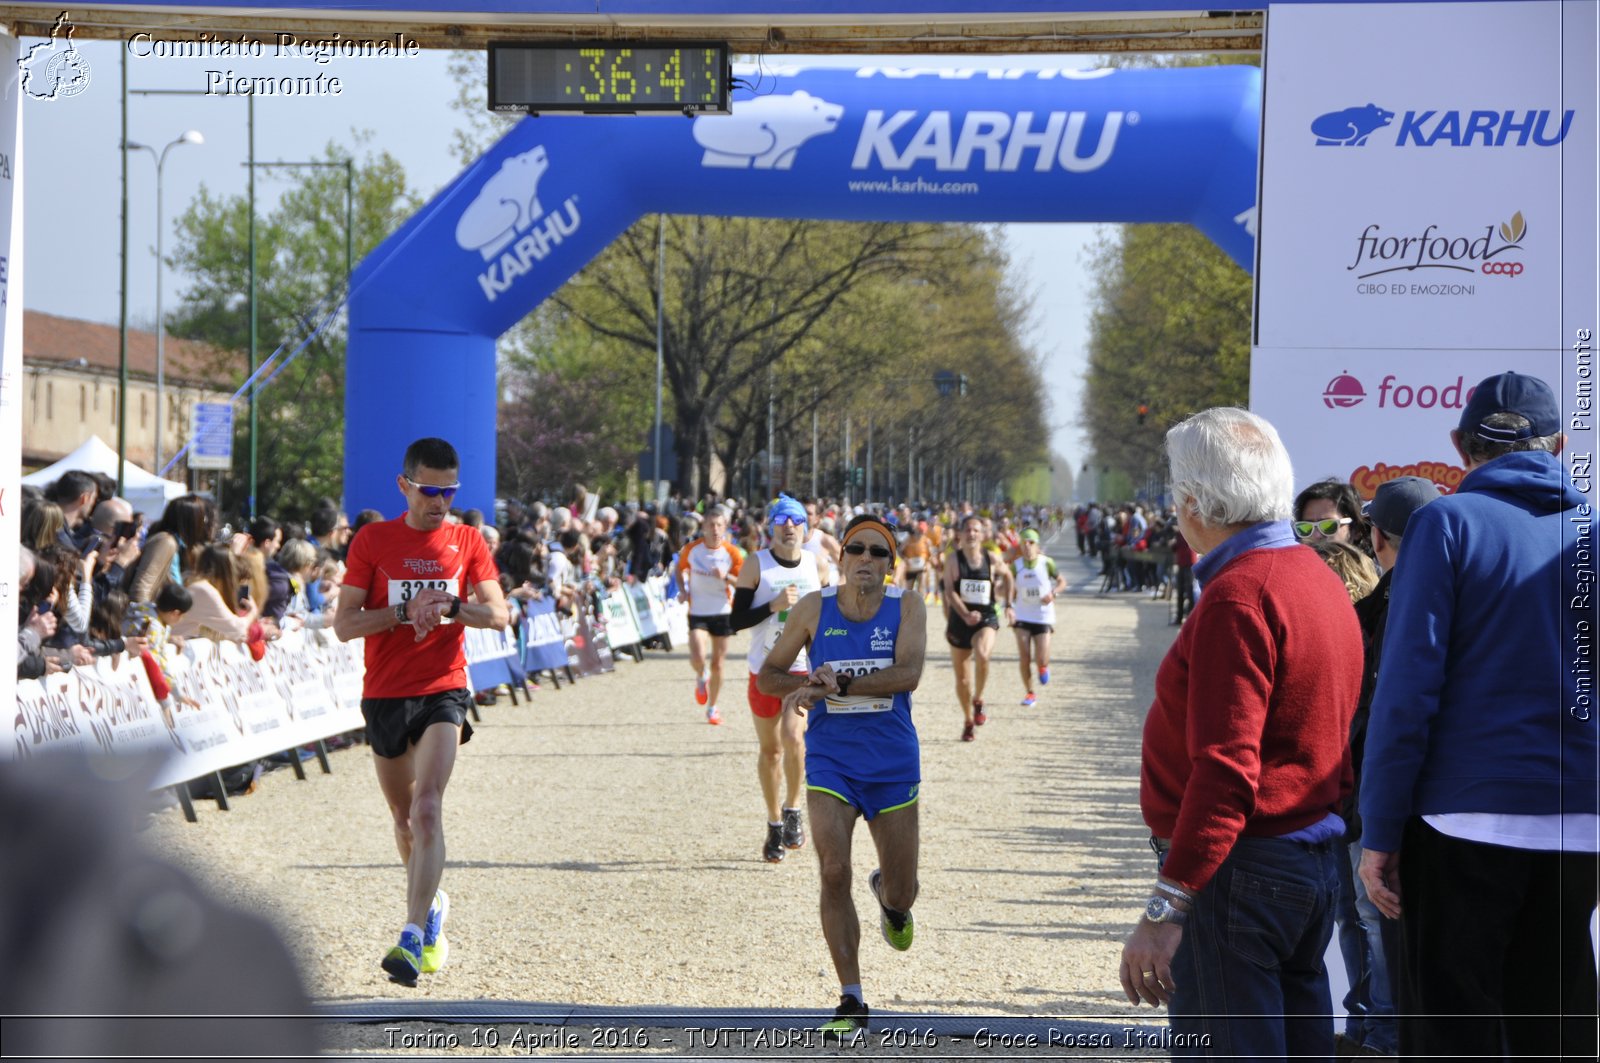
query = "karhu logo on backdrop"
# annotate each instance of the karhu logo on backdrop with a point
(766, 132)
(500, 223)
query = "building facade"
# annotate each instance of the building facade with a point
(70, 389)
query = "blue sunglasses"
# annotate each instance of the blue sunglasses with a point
(429, 491)
(784, 518)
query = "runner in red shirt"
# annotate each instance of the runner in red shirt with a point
(405, 592)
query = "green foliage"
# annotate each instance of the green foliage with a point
(300, 262)
(849, 320)
(1171, 330)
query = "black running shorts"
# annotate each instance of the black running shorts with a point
(959, 634)
(394, 725)
(1032, 628)
(717, 626)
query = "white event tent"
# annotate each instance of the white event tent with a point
(147, 492)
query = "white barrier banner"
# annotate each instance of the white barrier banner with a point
(225, 708)
(620, 629)
(674, 616)
(1427, 219)
(483, 645)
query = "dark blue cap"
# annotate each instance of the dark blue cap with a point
(1512, 393)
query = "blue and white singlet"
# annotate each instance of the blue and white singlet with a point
(867, 737)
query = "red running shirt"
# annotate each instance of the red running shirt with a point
(392, 561)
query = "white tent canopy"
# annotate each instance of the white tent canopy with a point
(147, 492)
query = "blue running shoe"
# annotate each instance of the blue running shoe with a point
(404, 961)
(435, 946)
(1044, 677)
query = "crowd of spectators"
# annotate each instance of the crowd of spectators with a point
(97, 580)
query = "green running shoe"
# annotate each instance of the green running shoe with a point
(898, 927)
(435, 946)
(849, 1018)
(404, 961)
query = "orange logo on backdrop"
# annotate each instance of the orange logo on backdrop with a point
(1367, 479)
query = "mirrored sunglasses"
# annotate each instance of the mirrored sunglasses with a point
(785, 518)
(1327, 528)
(429, 491)
(857, 549)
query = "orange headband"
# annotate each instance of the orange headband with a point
(864, 525)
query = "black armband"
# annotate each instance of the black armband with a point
(745, 613)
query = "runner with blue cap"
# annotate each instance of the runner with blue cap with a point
(783, 574)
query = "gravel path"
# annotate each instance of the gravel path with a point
(604, 852)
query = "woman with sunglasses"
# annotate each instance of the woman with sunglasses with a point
(781, 575)
(866, 642)
(1330, 509)
(975, 579)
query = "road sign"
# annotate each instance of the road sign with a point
(212, 446)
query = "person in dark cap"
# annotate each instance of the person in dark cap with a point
(1479, 795)
(1369, 940)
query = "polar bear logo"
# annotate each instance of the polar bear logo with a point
(1350, 127)
(765, 132)
(506, 205)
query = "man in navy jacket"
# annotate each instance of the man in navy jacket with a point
(1479, 795)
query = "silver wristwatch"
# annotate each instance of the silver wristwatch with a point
(1160, 910)
(400, 613)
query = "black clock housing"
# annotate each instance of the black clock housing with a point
(608, 77)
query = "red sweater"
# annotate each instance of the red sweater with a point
(1249, 731)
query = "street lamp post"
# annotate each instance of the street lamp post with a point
(191, 136)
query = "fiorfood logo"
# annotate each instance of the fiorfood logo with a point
(1508, 128)
(55, 69)
(1379, 252)
(1343, 392)
(507, 225)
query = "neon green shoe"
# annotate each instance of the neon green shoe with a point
(435, 946)
(404, 961)
(849, 1018)
(898, 927)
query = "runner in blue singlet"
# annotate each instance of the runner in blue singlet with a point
(866, 643)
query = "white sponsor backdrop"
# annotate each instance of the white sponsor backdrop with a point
(10, 347)
(1443, 231)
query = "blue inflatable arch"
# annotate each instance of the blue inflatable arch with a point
(872, 144)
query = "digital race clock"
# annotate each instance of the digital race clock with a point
(609, 78)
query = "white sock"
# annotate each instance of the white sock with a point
(412, 928)
(853, 990)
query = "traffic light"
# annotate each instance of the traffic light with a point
(860, 476)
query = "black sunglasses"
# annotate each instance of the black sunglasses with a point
(857, 549)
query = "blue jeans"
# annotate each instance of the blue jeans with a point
(1377, 1028)
(1250, 978)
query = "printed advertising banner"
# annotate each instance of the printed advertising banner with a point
(870, 144)
(1427, 219)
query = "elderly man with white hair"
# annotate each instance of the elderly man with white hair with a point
(1245, 762)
